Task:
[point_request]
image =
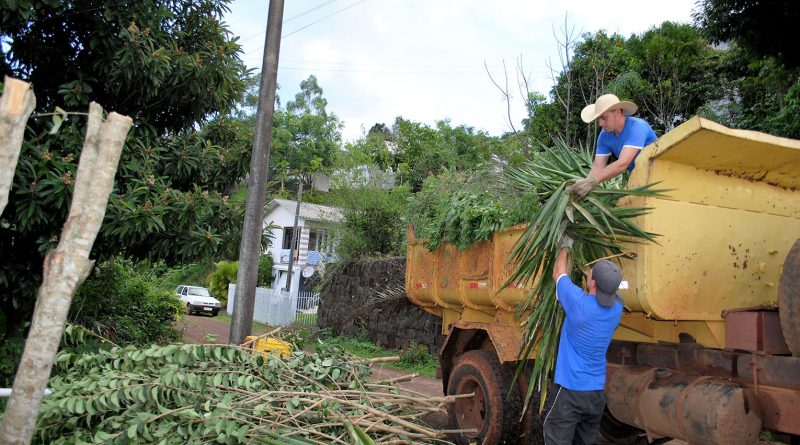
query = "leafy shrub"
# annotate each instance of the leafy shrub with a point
(170, 278)
(374, 223)
(223, 275)
(417, 355)
(124, 306)
(462, 209)
(265, 271)
(10, 355)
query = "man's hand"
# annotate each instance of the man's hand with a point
(566, 242)
(582, 188)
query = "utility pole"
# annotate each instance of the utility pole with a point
(250, 248)
(295, 237)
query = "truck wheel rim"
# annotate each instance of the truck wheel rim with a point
(471, 412)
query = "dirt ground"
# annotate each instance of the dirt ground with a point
(196, 329)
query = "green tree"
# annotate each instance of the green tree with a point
(759, 27)
(669, 71)
(166, 63)
(170, 65)
(306, 136)
(419, 152)
(759, 72)
(670, 77)
(373, 222)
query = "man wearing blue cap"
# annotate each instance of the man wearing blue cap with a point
(590, 321)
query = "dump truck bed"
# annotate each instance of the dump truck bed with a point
(726, 225)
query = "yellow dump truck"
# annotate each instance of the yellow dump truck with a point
(709, 350)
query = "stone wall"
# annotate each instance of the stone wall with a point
(347, 306)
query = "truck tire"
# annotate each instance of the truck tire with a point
(530, 432)
(494, 410)
(789, 299)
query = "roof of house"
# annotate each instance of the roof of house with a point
(313, 212)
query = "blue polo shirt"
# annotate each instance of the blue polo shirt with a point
(585, 336)
(636, 133)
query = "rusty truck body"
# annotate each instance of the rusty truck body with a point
(708, 350)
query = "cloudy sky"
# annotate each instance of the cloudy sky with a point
(424, 59)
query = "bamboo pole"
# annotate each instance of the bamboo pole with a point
(16, 105)
(64, 269)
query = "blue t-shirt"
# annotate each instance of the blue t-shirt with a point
(585, 336)
(636, 133)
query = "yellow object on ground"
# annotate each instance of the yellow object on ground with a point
(267, 345)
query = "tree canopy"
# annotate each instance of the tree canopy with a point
(165, 63)
(759, 27)
(171, 65)
(306, 136)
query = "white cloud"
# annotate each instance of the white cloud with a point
(423, 59)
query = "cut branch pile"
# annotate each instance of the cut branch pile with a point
(178, 394)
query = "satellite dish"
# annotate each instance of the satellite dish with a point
(308, 271)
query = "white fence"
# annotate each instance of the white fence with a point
(307, 305)
(278, 308)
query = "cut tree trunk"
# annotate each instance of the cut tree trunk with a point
(16, 106)
(64, 269)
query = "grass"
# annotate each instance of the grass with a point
(415, 358)
(258, 328)
(306, 319)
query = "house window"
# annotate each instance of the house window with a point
(287, 237)
(318, 239)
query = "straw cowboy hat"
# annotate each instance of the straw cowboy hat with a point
(604, 103)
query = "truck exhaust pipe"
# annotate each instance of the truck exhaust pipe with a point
(698, 409)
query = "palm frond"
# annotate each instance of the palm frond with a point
(390, 295)
(598, 228)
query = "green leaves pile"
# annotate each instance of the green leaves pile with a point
(463, 209)
(595, 224)
(180, 394)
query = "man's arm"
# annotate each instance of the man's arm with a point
(603, 171)
(561, 267)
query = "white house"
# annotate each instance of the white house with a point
(315, 243)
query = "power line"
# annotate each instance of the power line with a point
(296, 16)
(261, 48)
(323, 18)
(308, 11)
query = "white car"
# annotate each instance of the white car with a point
(198, 299)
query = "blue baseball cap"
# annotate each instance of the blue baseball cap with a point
(607, 277)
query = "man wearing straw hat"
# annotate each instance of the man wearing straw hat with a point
(622, 135)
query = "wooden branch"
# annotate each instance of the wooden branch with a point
(16, 105)
(504, 91)
(64, 270)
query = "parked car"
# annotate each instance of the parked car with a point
(198, 299)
